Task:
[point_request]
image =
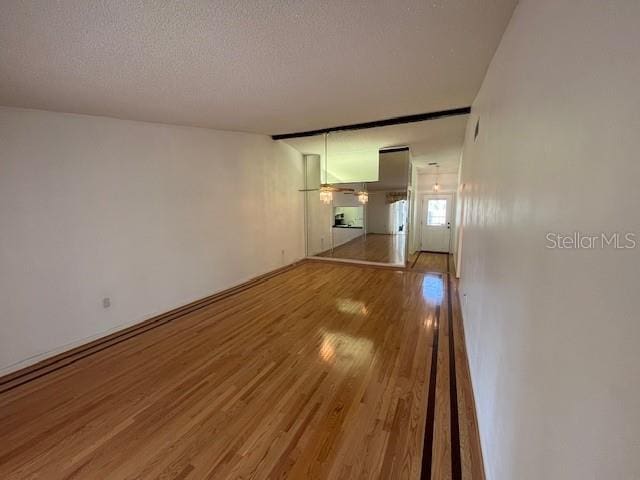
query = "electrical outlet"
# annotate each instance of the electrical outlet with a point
(106, 302)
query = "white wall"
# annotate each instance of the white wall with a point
(458, 227)
(153, 216)
(319, 217)
(342, 199)
(378, 213)
(448, 182)
(344, 235)
(414, 211)
(553, 335)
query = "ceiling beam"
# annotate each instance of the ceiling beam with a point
(393, 149)
(420, 117)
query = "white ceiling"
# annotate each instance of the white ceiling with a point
(431, 141)
(270, 67)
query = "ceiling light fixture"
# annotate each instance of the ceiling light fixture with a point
(363, 195)
(326, 196)
(436, 186)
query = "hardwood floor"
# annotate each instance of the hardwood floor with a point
(430, 262)
(323, 371)
(372, 248)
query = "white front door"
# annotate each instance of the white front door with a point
(436, 222)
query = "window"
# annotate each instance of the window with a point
(436, 212)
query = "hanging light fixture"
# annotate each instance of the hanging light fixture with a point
(436, 186)
(362, 195)
(326, 196)
(326, 192)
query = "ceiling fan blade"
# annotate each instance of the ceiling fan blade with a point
(309, 190)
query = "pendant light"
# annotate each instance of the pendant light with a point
(436, 186)
(326, 194)
(363, 195)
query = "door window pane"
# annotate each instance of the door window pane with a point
(436, 212)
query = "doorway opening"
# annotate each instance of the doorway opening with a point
(398, 213)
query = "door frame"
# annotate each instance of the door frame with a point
(452, 199)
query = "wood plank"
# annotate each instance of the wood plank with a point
(373, 247)
(441, 468)
(430, 262)
(319, 372)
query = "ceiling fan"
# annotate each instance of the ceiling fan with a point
(325, 187)
(327, 190)
(363, 195)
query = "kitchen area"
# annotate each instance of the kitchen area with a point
(348, 221)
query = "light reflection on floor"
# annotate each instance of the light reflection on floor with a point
(347, 305)
(342, 349)
(430, 322)
(433, 289)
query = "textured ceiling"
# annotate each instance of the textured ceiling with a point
(269, 67)
(431, 141)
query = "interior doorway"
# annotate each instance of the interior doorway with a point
(435, 222)
(398, 217)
